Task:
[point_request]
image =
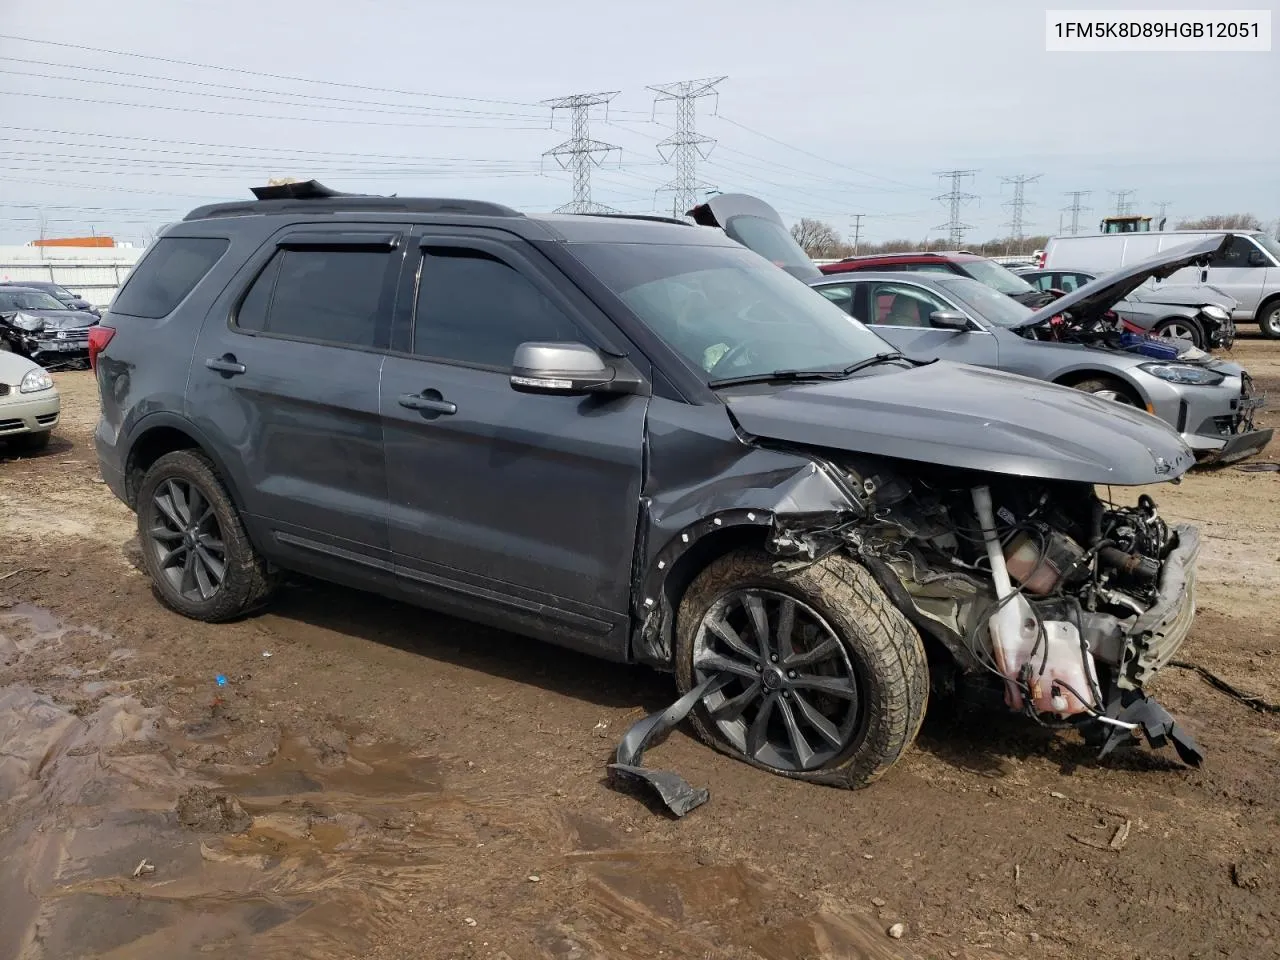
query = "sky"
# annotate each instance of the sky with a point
(127, 114)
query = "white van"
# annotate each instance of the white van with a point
(1249, 269)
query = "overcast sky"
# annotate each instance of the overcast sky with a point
(825, 111)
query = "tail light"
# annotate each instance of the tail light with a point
(99, 337)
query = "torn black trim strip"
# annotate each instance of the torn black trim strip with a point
(672, 789)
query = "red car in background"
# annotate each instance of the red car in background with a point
(982, 269)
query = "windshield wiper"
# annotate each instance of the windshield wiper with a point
(883, 358)
(795, 376)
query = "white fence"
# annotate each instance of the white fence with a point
(89, 272)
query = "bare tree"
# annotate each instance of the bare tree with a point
(1229, 221)
(818, 238)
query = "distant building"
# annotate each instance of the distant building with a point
(74, 242)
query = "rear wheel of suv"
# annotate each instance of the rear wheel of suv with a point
(830, 681)
(1269, 320)
(193, 544)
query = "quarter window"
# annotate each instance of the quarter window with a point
(474, 308)
(169, 271)
(331, 295)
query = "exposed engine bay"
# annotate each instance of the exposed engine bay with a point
(1037, 588)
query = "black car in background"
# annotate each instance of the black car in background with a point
(37, 325)
(58, 292)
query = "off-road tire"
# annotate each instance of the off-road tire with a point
(884, 648)
(1105, 384)
(30, 442)
(248, 581)
(1269, 320)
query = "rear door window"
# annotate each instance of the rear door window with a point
(169, 271)
(330, 295)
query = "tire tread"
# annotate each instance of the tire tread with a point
(846, 593)
(249, 581)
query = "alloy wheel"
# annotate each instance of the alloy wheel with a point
(187, 540)
(795, 701)
(1178, 331)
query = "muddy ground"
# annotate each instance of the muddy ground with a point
(377, 781)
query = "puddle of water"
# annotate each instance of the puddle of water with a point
(322, 850)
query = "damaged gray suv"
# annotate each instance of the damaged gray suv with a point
(638, 439)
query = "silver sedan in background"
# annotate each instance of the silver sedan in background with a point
(1073, 341)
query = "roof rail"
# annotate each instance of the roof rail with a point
(640, 216)
(313, 197)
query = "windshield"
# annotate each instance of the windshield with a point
(996, 276)
(729, 312)
(1268, 244)
(988, 304)
(28, 300)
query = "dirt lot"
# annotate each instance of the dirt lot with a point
(376, 781)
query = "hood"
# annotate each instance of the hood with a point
(1094, 299)
(60, 319)
(14, 367)
(758, 227)
(969, 417)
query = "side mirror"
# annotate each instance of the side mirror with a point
(949, 320)
(569, 369)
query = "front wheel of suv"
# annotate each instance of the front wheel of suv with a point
(830, 681)
(193, 544)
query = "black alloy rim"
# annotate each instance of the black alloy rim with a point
(187, 540)
(795, 702)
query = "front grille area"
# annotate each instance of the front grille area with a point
(12, 424)
(4, 389)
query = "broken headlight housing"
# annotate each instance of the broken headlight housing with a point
(1216, 312)
(28, 323)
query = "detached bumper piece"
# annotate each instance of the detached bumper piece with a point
(672, 789)
(1133, 707)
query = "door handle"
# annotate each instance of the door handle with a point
(227, 365)
(428, 404)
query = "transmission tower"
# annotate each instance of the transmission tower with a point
(580, 152)
(1163, 205)
(1076, 208)
(857, 230)
(1123, 206)
(1018, 203)
(686, 145)
(954, 227)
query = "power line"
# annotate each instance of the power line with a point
(259, 116)
(954, 227)
(791, 146)
(1163, 205)
(257, 73)
(686, 145)
(327, 102)
(580, 152)
(1018, 203)
(1123, 206)
(1076, 208)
